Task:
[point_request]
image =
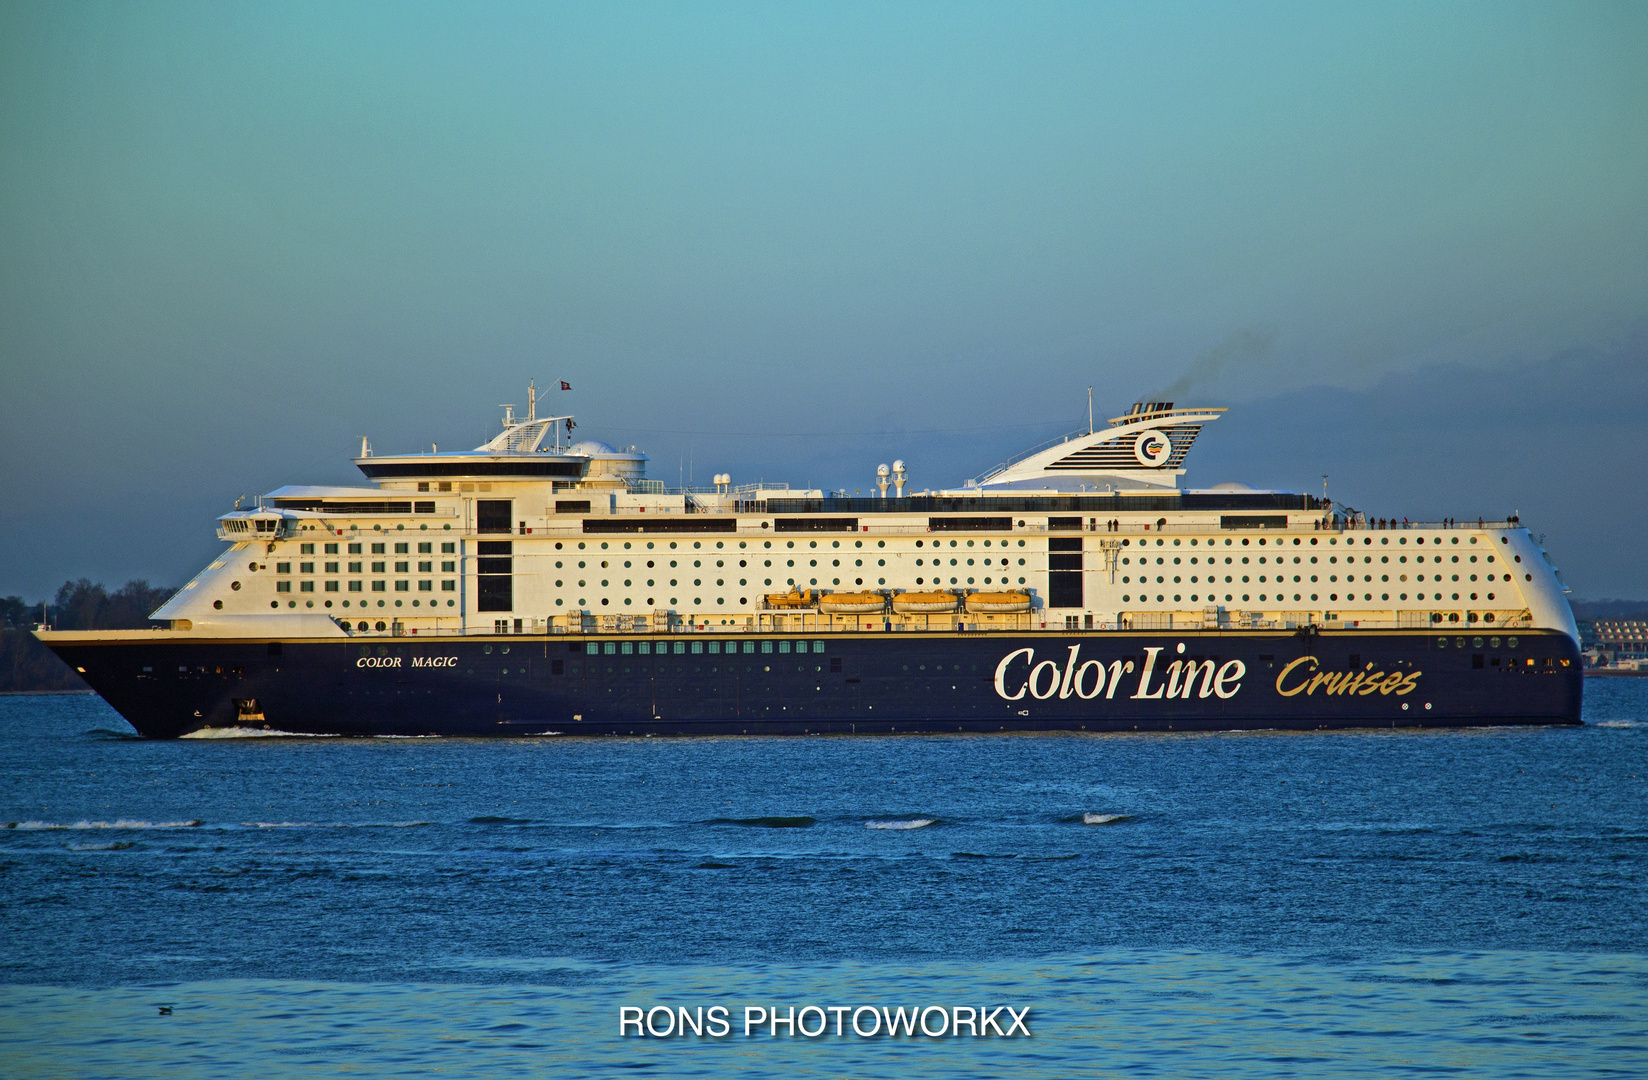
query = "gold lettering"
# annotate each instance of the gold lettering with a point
(1373, 683)
(1311, 660)
(1392, 681)
(1409, 683)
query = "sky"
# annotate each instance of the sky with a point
(1407, 244)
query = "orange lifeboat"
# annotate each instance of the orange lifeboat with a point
(924, 603)
(795, 599)
(998, 602)
(849, 603)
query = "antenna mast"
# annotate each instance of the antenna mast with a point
(1090, 410)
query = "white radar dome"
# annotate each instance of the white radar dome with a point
(591, 448)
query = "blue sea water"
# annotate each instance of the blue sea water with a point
(1388, 903)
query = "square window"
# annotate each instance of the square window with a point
(446, 485)
(645, 648)
(378, 567)
(306, 568)
(766, 646)
(403, 586)
(331, 549)
(354, 586)
(626, 648)
(449, 586)
(283, 586)
(331, 568)
(380, 586)
(377, 549)
(715, 647)
(449, 548)
(450, 566)
(401, 567)
(306, 586)
(331, 586)
(818, 646)
(426, 586)
(354, 567)
(783, 646)
(697, 646)
(592, 648)
(680, 647)
(609, 648)
(423, 485)
(306, 549)
(425, 548)
(402, 549)
(749, 646)
(425, 566)
(283, 568)
(354, 549)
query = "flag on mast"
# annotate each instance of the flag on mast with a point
(565, 385)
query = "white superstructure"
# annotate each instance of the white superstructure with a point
(534, 533)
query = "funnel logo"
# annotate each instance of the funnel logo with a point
(1152, 448)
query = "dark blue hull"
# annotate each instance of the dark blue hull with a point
(842, 683)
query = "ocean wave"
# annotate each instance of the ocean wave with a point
(112, 735)
(908, 823)
(333, 824)
(1616, 723)
(250, 733)
(488, 819)
(38, 826)
(977, 855)
(1102, 819)
(118, 845)
(772, 822)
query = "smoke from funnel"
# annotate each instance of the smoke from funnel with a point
(1243, 345)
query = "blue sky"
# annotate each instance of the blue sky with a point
(239, 237)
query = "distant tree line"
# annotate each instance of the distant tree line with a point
(25, 664)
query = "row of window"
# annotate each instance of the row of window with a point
(1160, 580)
(425, 566)
(1282, 597)
(426, 548)
(359, 586)
(660, 648)
(1161, 560)
(358, 603)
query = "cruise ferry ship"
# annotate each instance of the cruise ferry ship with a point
(539, 586)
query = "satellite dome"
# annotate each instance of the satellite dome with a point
(591, 448)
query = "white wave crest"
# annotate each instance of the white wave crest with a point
(1617, 723)
(912, 823)
(250, 733)
(32, 826)
(1102, 819)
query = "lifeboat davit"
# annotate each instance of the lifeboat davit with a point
(795, 598)
(924, 603)
(852, 603)
(997, 602)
